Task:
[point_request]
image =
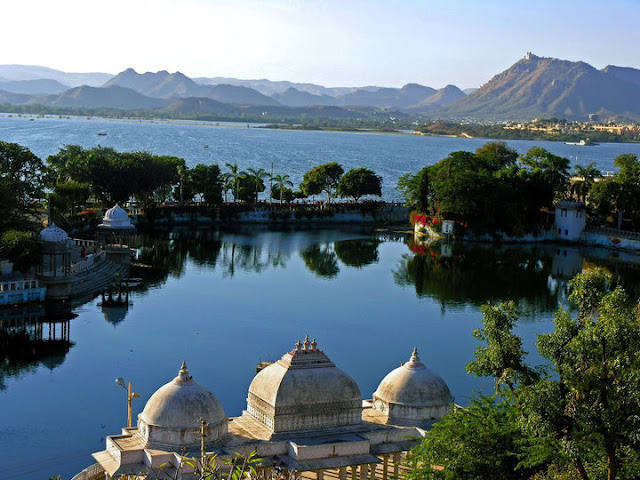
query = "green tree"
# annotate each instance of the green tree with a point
(587, 176)
(358, 182)
(621, 192)
(497, 155)
(323, 178)
(21, 248)
(588, 398)
(415, 190)
(235, 174)
(281, 184)
(70, 163)
(21, 174)
(481, 441)
(72, 194)
(206, 181)
(257, 177)
(553, 168)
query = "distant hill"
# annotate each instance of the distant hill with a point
(177, 85)
(271, 88)
(293, 97)
(14, 98)
(33, 87)
(445, 96)
(32, 72)
(194, 106)
(532, 87)
(410, 94)
(548, 87)
(108, 97)
(238, 95)
(159, 84)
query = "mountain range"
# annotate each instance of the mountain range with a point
(533, 87)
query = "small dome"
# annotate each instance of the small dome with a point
(53, 234)
(412, 393)
(304, 390)
(172, 414)
(117, 218)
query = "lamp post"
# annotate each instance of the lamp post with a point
(130, 396)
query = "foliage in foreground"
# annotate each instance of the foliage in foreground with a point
(576, 417)
(483, 441)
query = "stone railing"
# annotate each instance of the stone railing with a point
(88, 263)
(80, 242)
(94, 472)
(13, 285)
(614, 232)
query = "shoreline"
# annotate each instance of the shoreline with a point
(272, 126)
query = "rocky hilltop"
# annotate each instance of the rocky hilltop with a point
(548, 87)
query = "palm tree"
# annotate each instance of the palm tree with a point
(587, 176)
(282, 182)
(257, 176)
(236, 175)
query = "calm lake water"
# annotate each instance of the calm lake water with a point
(225, 300)
(291, 152)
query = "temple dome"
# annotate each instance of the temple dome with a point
(116, 218)
(304, 390)
(53, 234)
(412, 394)
(172, 414)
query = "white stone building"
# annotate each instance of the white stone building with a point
(570, 220)
(303, 415)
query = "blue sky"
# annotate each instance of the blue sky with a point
(329, 42)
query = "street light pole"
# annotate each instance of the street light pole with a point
(130, 396)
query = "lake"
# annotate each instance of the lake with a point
(225, 300)
(291, 152)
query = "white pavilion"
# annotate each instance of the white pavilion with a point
(304, 415)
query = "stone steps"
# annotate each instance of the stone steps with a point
(92, 282)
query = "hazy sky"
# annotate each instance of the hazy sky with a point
(329, 42)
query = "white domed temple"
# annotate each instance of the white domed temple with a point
(304, 415)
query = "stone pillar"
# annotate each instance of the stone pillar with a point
(320, 474)
(396, 465)
(342, 475)
(267, 472)
(372, 471)
(364, 471)
(354, 472)
(385, 466)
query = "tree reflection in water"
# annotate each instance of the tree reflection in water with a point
(535, 276)
(457, 274)
(321, 260)
(358, 253)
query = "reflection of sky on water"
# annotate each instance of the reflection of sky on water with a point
(224, 323)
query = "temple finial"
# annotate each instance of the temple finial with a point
(184, 372)
(298, 345)
(414, 355)
(314, 345)
(306, 342)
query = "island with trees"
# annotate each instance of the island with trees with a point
(494, 191)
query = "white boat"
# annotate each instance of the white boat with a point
(582, 143)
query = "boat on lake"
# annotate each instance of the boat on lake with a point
(582, 143)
